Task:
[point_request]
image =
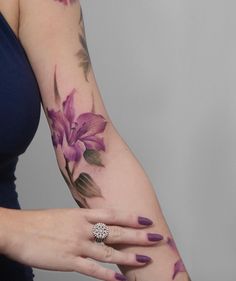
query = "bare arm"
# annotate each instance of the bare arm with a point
(96, 163)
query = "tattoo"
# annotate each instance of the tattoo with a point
(79, 137)
(66, 2)
(56, 92)
(81, 21)
(86, 186)
(179, 265)
(83, 53)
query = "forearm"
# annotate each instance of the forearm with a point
(120, 181)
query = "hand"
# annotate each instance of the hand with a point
(62, 239)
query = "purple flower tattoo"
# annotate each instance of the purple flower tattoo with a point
(179, 265)
(76, 134)
(66, 2)
(78, 137)
(171, 243)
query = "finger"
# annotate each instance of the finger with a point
(119, 234)
(104, 253)
(93, 269)
(117, 217)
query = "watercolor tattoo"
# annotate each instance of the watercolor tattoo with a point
(79, 137)
(66, 2)
(179, 265)
(83, 53)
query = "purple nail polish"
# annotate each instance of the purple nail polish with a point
(119, 276)
(154, 237)
(142, 258)
(144, 221)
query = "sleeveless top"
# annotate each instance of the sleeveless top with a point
(20, 107)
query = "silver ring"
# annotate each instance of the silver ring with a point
(100, 231)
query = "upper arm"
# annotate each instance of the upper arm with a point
(53, 37)
(52, 34)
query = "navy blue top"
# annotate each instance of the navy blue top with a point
(20, 106)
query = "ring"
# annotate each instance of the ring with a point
(100, 231)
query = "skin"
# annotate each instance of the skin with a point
(116, 173)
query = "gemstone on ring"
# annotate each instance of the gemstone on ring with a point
(100, 231)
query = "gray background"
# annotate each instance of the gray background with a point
(166, 69)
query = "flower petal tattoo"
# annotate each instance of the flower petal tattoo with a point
(171, 243)
(178, 267)
(78, 137)
(83, 53)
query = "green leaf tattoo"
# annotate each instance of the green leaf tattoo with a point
(93, 157)
(86, 186)
(83, 54)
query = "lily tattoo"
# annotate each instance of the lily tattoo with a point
(79, 137)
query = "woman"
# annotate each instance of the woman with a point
(44, 59)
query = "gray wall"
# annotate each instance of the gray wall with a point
(166, 69)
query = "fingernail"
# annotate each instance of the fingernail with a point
(121, 277)
(154, 236)
(144, 221)
(142, 258)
